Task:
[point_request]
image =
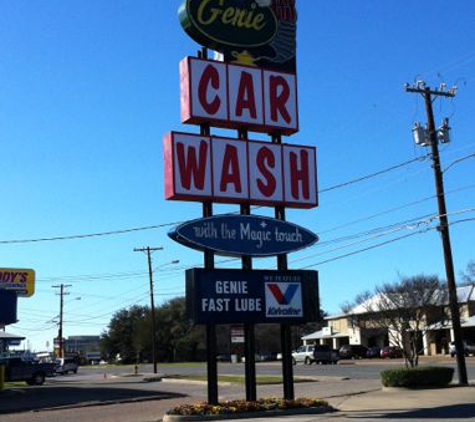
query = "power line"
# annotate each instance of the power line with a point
(372, 175)
(159, 226)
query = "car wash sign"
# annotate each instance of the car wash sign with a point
(255, 32)
(239, 235)
(233, 96)
(208, 168)
(255, 297)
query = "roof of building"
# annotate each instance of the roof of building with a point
(317, 335)
(465, 294)
(7, 336)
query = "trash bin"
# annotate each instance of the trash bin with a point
(234, 358)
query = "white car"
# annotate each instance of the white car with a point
(304, 354)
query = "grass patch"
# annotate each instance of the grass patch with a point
(239, 379)
(131, 365)
(14, 384)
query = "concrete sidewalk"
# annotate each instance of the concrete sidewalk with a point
(391, 405)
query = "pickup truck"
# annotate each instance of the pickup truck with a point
(33, 373)
(325, 354)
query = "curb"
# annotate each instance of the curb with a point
(249, 415)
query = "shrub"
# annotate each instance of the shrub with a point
(420, 377)
(242, 406)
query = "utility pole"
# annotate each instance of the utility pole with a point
(430, 137)
(62, 293)
(148, 250)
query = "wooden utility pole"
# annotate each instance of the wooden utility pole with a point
(62, 293)
(428, 95)
(148, 250)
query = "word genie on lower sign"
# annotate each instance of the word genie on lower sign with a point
(243, 235)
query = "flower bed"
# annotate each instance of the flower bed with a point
(242, 408)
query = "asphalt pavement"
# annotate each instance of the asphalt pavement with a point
(126, 398)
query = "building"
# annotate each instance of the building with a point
(346, 328)
(82, 345)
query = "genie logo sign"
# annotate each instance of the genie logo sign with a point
(284, 300)
(250, 32)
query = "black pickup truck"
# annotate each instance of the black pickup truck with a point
(33, 373)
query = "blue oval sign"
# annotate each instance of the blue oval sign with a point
(238, 235)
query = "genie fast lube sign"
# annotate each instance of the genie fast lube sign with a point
(257, 296)
(254, 32)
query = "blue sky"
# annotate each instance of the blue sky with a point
(89, 88)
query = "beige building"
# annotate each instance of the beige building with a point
(343, 328)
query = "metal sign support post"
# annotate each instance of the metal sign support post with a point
(285, 329)
(249, 339)
(211, 342)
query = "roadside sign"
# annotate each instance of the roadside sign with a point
(8, 307)
(251, 296)
(238, 235)
(21, 281)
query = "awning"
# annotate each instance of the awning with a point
(317, 335)
(7, 336)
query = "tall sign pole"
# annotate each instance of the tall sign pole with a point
(249, 335)
(428, 95)
(285, 329)
(211, 336)
(252, 87)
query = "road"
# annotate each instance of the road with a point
(92, 394)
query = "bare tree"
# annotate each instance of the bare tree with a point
(469, 275)
(405, 309)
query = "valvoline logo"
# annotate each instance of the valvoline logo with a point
(284, 300)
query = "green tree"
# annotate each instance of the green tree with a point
(124, 335)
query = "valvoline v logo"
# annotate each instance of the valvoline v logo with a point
(283, 297)
(284, 300)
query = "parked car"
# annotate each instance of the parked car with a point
(33, 373)
(304, 354)
(267, 356)
(468, 348)
(66, 365)
(325, 354)
(373, 352)
(225, 357)
(353, 351)
(391, 352)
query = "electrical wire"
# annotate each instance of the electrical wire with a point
(159, 226)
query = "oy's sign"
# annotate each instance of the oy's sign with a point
(238, 235)
(204, 168)
(255, 297)
(233, 96)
